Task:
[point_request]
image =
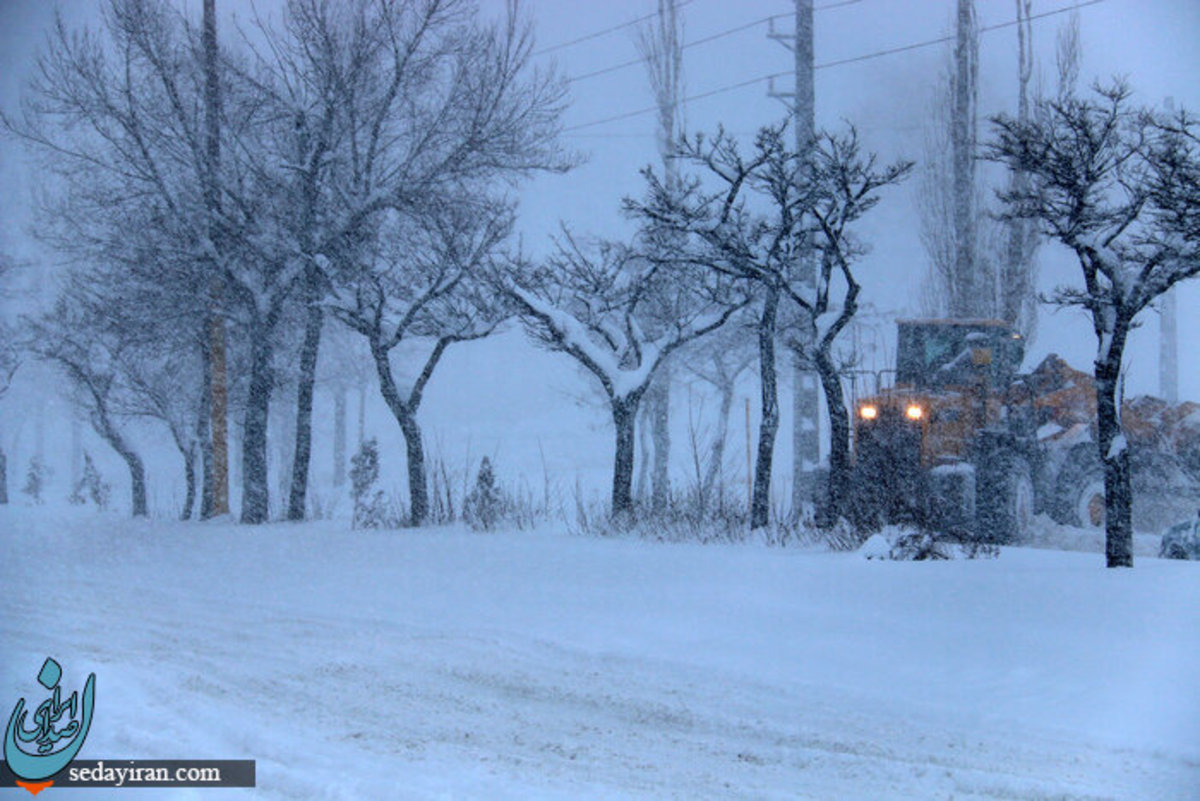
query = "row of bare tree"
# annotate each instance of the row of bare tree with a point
(358, 160)
(355, 160)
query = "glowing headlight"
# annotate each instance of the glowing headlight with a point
(913, 412)
(868, 412)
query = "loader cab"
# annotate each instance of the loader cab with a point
(951, 377)
(934, 355)
(925, 448)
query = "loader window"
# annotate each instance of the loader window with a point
(936, 354)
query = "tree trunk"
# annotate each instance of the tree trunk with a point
(840, 476)
(659, 398)
(624, 413)
(1118, 491)
(304, 401)
(760, 503)
(219, 427)
(219, 422)
(362, 412)
(203, 435)
(3, 478)
(645, 456)
(76, 450)
(137, 471)
(137, 477)
(189, 477)
(406, 416)
(716, 462)
(339, 437)
(418, 490)
(1016, 291)
(255, 496)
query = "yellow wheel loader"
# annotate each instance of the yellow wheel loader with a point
(966, 444)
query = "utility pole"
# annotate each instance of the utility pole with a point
(967, 296)
(806, 400)
(1168, 333)
(661, 48)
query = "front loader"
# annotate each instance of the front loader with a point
(952, 446)
(964, 443)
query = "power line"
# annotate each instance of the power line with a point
(826, 65)
(940, 40)
(605, 32)
(705, 40)
(741, 133)
(688, 99)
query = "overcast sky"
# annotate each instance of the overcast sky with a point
(1153, 44)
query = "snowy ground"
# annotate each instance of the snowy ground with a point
(450, 664)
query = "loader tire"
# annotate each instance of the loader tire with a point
(1004, 499)
(1079, 494)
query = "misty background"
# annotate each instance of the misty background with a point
(527, 409)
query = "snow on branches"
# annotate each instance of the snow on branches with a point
(620, 313)
(777, 219)
(1120, 188)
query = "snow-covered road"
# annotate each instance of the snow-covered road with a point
(450, 664)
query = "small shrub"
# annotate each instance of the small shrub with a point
(91, 486)
(485, 503)
(923, 545)
(372, 508)
(687, 517)
(35, 479)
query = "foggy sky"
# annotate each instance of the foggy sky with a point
(1152, 44)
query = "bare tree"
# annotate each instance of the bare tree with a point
(1120, 188)
(310, 76)
(10, 360)
(1016, 289)
(152, 336)
(397, 110)
(284, 164)
(847, 187)
(215, 434)
(421, 285)
(620, 315)
(163, 385)
(1068, 51)
(82, 340)
(962, 280)
(808, 199)
(121, 120)
(720, 230)
(719, 360)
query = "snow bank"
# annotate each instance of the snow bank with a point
(876, 547)
(446, 664)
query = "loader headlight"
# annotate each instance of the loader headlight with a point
(914, 412)
(868, 412)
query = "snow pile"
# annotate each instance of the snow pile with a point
(876, 547)
(1045, 533)
(444, 663)
(908, 545)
